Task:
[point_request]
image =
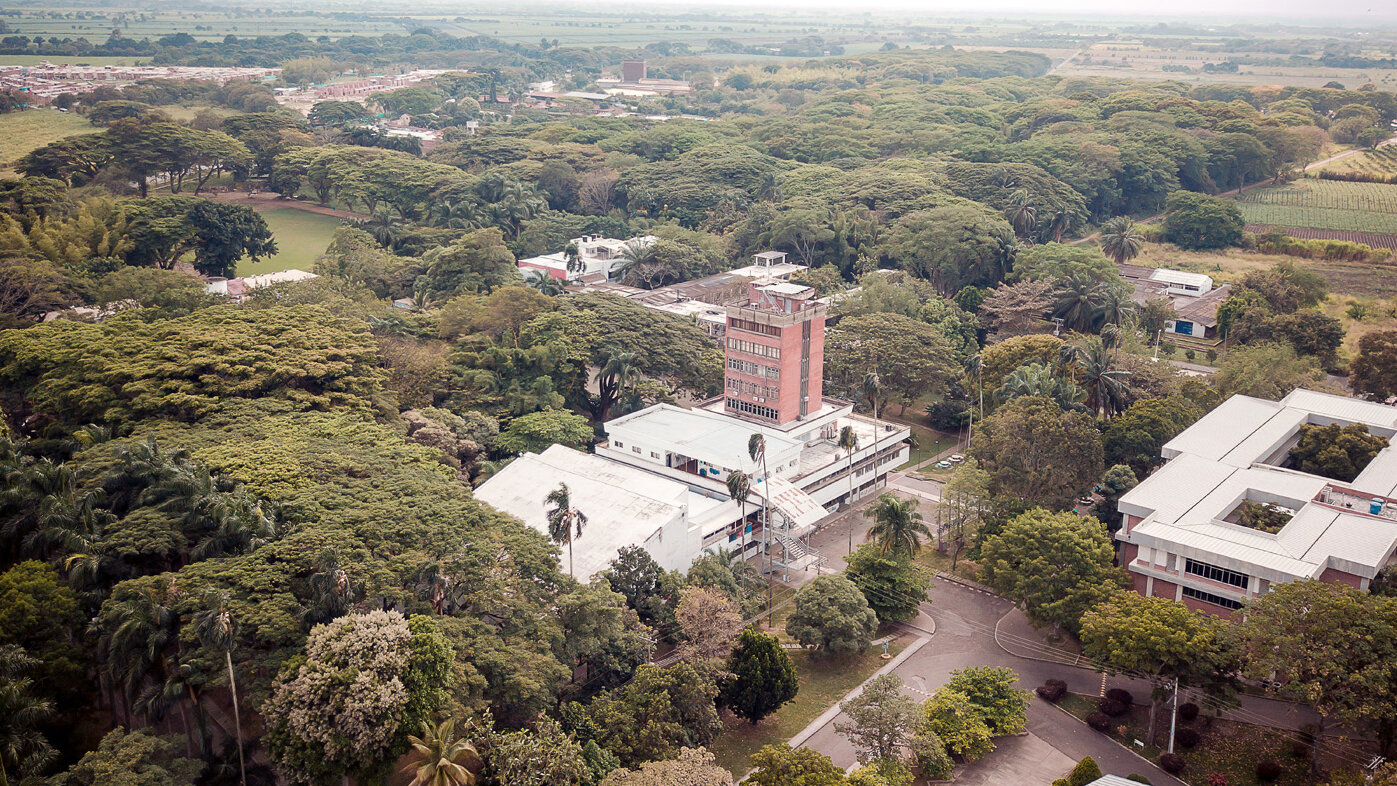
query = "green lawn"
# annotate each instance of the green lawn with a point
(21, 132)
(822, 685)
(930, 442)
(300, 237)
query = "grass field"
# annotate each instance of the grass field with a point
(1324, 204)
(21, 132)
(300, 237)
(822, 684)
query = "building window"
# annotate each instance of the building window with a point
(1208, 597)
(753, 349)
(1215, 573)
(635, 449)
(752, 388)
(752, 409)
(753, 327)
(748, 367)
(654, 455)
(619, 445)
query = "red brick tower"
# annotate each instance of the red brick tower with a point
(775, 354)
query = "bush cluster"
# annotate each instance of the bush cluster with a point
(1268, 771)
(1187, 738)
(1172, 763)
(1052, 690)
(1188, 712)
(1121, 695)
(1113, 708)
(1099, 721)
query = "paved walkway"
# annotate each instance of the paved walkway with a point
(269, 200)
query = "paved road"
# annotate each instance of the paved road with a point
(965, 621)
(969, 626)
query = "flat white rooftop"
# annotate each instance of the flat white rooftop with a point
(1235, 453)
(715, 438)
(624, 505)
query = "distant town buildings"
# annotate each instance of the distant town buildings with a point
(46, 81)
(1182, 533)
(356, 89)
(634, 81)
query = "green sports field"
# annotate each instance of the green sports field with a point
(300, 237)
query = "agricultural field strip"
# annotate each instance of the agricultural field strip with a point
(1324, 204)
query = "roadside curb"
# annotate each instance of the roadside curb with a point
(833, 712)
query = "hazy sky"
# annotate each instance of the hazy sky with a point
(1254, 10)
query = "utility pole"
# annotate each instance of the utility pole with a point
(1173, 716)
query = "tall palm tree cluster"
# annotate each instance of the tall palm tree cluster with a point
(152, 511)
(1085, 378)
(497, 201)
(1084, 304)
(54, 511)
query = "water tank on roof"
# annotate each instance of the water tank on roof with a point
(1375, 506)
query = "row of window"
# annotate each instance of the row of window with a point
(1208, 597)
(754, 327)
(755, 369)
(1216, 573)
(751, 388)
(752, 409)
(753, 349)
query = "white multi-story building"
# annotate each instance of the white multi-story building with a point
(659, 481)
(597, 258)
(1181, 534)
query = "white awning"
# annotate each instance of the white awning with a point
(801, 511)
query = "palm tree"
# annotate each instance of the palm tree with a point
(1078, 300)
(1106, 389)
(1042, 381)
(137, 633)
(635, 262)
(563, 518)
(24, 750)
(620, 371)
(1115, 305)
(332, 591)
(217, 629)
(849, 442)
(739, 485)
(1022, 214)
(756, 450)
(439, 758)
(544, 284)
(897, 526)
(1061, 221)
(236, 522)
(1120, 240)
(1006, 251)
(573, 257)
